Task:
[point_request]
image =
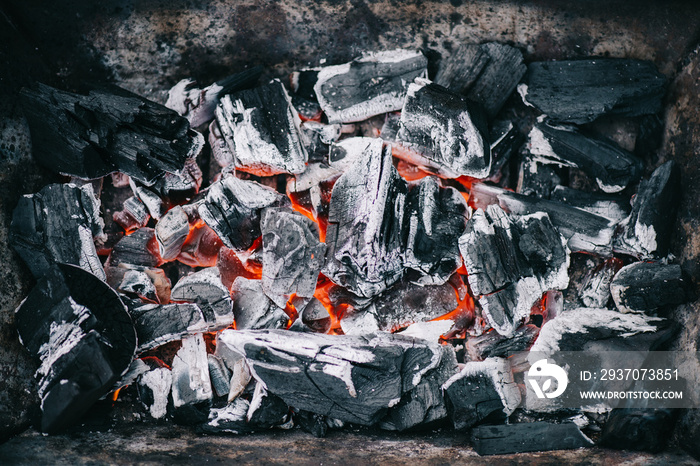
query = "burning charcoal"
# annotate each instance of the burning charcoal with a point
(104, 132)
(579, 91)
(536, 179)
(157, 324)
(138, 248)
(406, 303)
(201, 248)
(436, 218)
(511, 262)
(639, 429)
(318, 137)
(219, 147)
(506, 140)
(240, 373)
(315, 317)
(648, 286)
(360, 323)
(192, 393)
(482, 390)
(612, 167)
(370, 85)
(133, 216)
(138, 283)
(292, 255)
(171, 231)
(610, 206)
(232, 264)
(486, 73)
(527, 436)
(204, 287)
(233, 207)
(595, 290)
(231, 419)
(266, 410)
(302, 83)
(80, 331)
(646, 232)
(58, 224)
(252, 309)
(365, 228)
(219, 375)
(149, 198)
(443, 132)
(154, 391)
(198, 105)
(262, 131)
(315, 424)
(491, 344)
(585, 232)
(180, 187)
(425, 403)
(429, 331)
(354, 379)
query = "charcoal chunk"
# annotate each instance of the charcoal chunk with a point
(266, 410)
(171, 231)
(80, 331)
(492, 344)
(139, 248)
(233, 207)
(482, 390)
(528, 436)
(610, 206)
(649, 286)
(252, 309)
(261, 129)
(154, 391)
(365, 229)
(646, 233)
(535, 178)
(292, 255)
(198, 105)
(579, 91)
(435, 219)
(639, 429)
(369, 85)
(219, 375)
(58, 224)
(240, 373)
(133, 216)
(354, 379)
(90, 136)
(315, 317)
(595, 288)
(443, 132)
(204, 287)
(231, 419)
(157, 324)
(612, 167)
(486, 73)
(505, 139)
(191, 389)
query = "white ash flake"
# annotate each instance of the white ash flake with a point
(159, 381)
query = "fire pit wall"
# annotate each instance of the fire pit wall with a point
(147, 47)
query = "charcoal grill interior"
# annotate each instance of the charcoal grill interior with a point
(148, 47)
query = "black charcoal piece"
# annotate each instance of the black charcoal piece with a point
(482, 390)
(612, 167)
(491, 344)
(315, 316)
(435, 218)
(648, 287)
(318, 137)
(528, 436)
(148, 284)
(595, 288)
(58, 224)
(584, 231)
(511, 261)
(180, 187)
(610, 206)
(506, 139)
(157, 324)
(171, 231)
(232, 208)
(198, 105)
(443, 132)
(354, 379)
(312, 189)
(365, 229)
(646, 233)
(292, 255)
(81, 332)
(231, 419)
(315, 424)
(486, 73)
(240, 373)
(219, 375)
(139, 248)
(266, 410)
(535, 178)
(425, 403)
(370, 85)
(133, 216)
(191, 390)
(149, 197)
(261, 129)
(252, 309)
(90, 136)
(204, 287)
(639, 429)
(154, 391)
(579, 91)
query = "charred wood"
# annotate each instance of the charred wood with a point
(154, 391)
(157, 324)
(639, 429)
(171, 231)
(610, 206)
(492, 344)
(595, 289)
(649, 287)
(191, 388)
(253, 309)
(205, 288)
(139, 248)
(528, 436)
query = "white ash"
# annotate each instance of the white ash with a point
(159, 381)
(429, 331)
(190, 372)
(235, 411)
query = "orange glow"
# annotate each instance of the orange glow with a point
(291, 310)
(462, 315)
(410, 172)
(321, 222)
(115, 394)
(201, 246)
(323, 287)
